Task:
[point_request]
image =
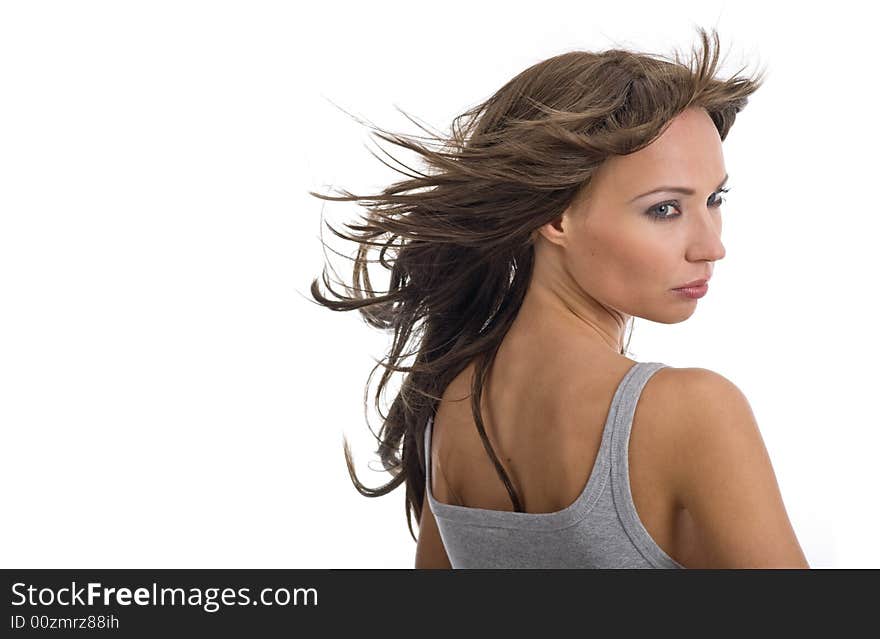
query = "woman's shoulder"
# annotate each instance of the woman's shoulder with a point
(694, 392)
(692, 401)
(720, 472)
(699, 414)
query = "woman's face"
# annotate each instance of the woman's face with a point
(627, 248)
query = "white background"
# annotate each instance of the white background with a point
(169, 396)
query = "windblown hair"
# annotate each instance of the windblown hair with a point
(458, 236)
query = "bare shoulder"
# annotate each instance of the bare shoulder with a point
(702, 405)
(720, 471)
(693, 409)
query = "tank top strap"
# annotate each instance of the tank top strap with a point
(427, 447)
(624, 411)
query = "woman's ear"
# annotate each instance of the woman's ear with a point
(552, 231)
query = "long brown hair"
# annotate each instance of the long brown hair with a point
(458, 235)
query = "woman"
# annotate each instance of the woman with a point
(585, 192)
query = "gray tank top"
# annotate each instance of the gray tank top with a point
(600, 529)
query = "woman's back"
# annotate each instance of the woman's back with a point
(598, 528)
(593, 442)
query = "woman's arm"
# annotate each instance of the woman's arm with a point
(723, 476)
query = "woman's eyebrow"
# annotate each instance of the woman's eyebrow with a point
(677, 189)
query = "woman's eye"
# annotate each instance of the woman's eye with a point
(720, 199)
(662, 211)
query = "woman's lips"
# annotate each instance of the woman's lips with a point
(694, 283)
(693, 291)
